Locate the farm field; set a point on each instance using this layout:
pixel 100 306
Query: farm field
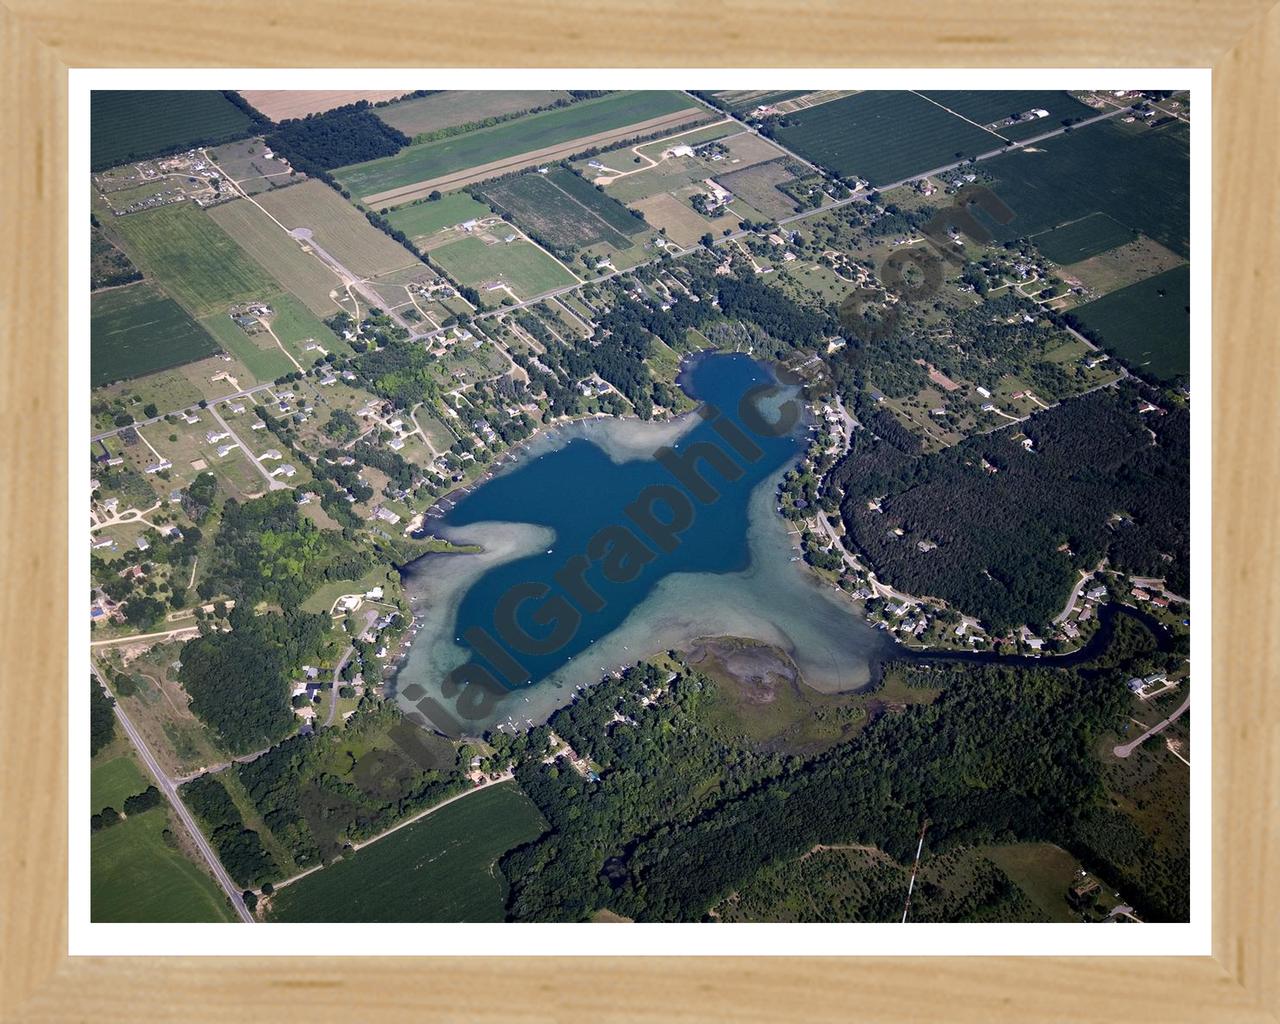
pixel 1146 324
pixel 743 101
pixel 442 868
pixel 565 210
pixel 492 151
pixel 137 876
pixel 422 220
pixel 884 137
pixel 303 274
pixel 989 107
pixel 1137 175
pixel 112 781
pixel 129 124
pixel 1082 238
pixel 284 104
pixel 337 227
pixel 520 265
pixel 684 225
pixel 758 186
pixel 138 330
pixel 424 114
pixel 1123 266
pixel 198 263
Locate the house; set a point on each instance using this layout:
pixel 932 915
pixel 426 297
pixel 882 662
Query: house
pixel 375 594
pixel 984 392
pixel 396 443
pixel 270 453
pixel 103 542
pixel 214 436
pixel 286 471
pixel 142 543
pixel 223 449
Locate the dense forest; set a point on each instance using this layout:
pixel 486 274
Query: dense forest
pixel 239 848
pixel 686 812
pixel 102 717
pixel 345 135
pixel 1011 523
pixel 239 681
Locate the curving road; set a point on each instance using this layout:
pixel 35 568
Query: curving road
pixel 1125 749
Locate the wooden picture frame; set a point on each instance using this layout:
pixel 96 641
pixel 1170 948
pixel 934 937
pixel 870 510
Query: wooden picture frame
pixel 1240 982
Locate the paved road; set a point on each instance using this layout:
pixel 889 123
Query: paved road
pixel 1125 749
pixel 171 794
pixel 272 483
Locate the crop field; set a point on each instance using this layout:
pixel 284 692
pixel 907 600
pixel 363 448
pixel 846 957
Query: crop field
pixel 1120 267
pixel 684 225
pixel 337 227
pixel 758 186
pixel 988 107
pixel 1137 175
pixel 450 109
pixel 442 868
pixel 138 330
pixel 136 876
pixel 422 220
pixel 1082 238
pixel 519 265
pixel 112 782
pixel 743 101
pixel 285 104
pixel 132 124
pixel 198 263
pixel 883 136
pixel 1146 324
pixel 302 273
pixel 492 151
pixel 565 210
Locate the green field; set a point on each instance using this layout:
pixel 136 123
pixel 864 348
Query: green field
pixel 1083 238
pixel 258 352
pixel 421 220
pixel 523 267
pixel 449 109
pixel 1137 175
pixel 264 240
pixel 138 330
pixel 536 131
pixel 1147 324
pixel 565 210
pixel 132 124
pixel 337 227
pixel 137 876
pixel 442 868
pixel 883 136
pixel 987 106
pixel 199 264
pixel 110 782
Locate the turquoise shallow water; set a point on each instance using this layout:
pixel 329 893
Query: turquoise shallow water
pixel 598 553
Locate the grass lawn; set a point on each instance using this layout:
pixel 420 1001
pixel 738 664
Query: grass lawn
pixel 300 272
pixel 258 351
pixel 421 220
pixel 1041 870
pixel 111 782
pixel 136 876
pixel 520 265
pixel 442 868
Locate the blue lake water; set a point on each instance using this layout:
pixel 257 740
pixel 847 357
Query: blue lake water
pixel 599 552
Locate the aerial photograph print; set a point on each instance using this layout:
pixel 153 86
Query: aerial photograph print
pixel 638 505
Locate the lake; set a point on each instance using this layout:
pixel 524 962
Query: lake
pixel 599 550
